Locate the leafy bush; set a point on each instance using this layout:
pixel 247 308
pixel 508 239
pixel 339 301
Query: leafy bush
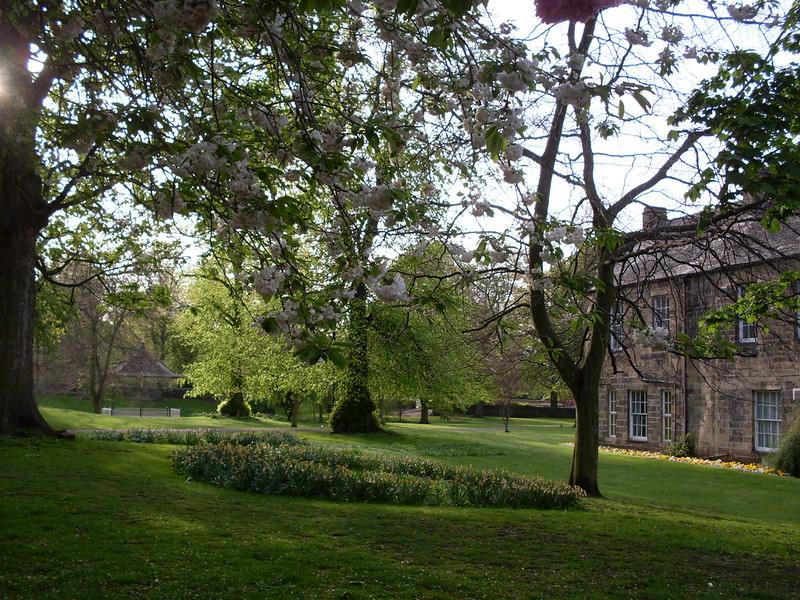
pixel 681 447
pixel 193 437
pixel 349 475
pixel 787 458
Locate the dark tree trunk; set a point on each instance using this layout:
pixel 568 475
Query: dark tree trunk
pixel 94 361
pixel 295 399
pixel 355 411
pixel 423 414
pixel 23 214
pixel 587 427
pixel 19 228
pixel 235 405
pixel 553 400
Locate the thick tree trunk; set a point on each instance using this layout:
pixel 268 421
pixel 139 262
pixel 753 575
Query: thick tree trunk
pixel 585 454
pixel 18 233
pixel 355 411
pixel 23 214
pixel 423 414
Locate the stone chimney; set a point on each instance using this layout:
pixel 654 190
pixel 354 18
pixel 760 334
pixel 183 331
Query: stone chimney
pixel 653 216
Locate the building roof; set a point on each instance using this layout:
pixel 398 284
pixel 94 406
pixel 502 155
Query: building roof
pixel 678 251
pixel 143 364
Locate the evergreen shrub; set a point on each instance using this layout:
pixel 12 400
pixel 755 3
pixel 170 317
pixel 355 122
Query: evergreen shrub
pixel 787 458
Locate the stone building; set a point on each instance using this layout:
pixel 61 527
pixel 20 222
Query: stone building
pixel 651 395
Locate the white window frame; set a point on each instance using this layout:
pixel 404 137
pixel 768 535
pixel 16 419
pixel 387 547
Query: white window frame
pixel 637 422
pixel 615 329
pixel 748 332
pixel 613 407
pixel 661 311
pixel 768 416
pixel 667 415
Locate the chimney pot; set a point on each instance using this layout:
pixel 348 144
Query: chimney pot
pixel 653 216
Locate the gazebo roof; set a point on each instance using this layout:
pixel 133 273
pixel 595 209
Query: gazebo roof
pixel 143 364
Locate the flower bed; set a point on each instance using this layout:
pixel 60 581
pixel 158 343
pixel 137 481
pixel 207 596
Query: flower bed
pixel 351 476
pixel 720 464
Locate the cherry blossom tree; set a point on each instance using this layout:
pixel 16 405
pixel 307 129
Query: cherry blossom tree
pixel 265 123
pixel 340 127
pixel 556 118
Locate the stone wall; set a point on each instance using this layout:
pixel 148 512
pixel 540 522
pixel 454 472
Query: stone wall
pixel 641 365
pixel 713 399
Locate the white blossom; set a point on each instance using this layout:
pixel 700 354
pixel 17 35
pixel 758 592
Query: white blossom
pixel 672 34
pixel 556 234
pixel 514 152
pixel 742 12
pixel 243 181
pixel 513 176
pixel 636 37
pixel 575 236
pixel 268 281
pixel 393 292
pixel 352 273
pixel 577 93
pixel 135 160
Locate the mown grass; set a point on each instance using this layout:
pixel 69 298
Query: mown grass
pixel 95 519
pixel 66 412
pixel 533 447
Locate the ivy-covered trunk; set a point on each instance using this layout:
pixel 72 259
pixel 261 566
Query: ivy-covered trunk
pixel 22 216
pixel 355 411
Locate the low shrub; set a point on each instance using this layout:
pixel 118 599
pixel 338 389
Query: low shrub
pixel 787 459
pixel 192 437
pixel 681 447
pixel 352 476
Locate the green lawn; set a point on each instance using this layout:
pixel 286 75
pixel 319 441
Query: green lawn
pixel 100 519
pixel 66 412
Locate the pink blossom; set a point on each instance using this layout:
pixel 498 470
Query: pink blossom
pixel 555 11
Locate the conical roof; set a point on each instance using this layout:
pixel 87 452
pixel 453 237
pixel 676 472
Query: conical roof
pixel 143 364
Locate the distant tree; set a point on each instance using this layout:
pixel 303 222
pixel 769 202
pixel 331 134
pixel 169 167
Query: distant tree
pixel 418 351
pixel 234 360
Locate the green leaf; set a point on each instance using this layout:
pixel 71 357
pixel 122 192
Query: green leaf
pixel 495 142
pixel 643 102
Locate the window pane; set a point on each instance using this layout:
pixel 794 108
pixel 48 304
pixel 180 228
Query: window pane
pixel 638 411
pixel 768 418
pixel 661 312
pixel 612 413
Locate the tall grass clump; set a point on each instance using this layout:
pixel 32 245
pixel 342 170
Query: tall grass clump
pixel 347 475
